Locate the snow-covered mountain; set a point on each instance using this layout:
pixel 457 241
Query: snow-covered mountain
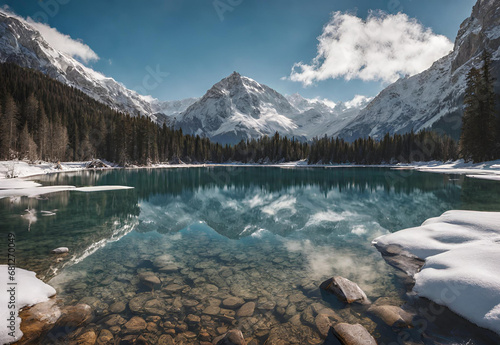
pixel 22 44
pixel 317 117
pixel 239 108
pixel 434 98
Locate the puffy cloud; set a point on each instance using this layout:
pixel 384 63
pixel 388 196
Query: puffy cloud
pixel 63 43
pixel 381 48
pixel 358 101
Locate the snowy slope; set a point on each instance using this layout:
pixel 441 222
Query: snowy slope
pixel 316 117
pixel 461 250
pixel 23 45
pixel 434 98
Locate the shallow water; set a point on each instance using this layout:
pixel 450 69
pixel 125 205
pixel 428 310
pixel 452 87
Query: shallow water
pixel 267 235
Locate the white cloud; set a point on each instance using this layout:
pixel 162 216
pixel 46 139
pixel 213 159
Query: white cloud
pixel 359 101
pixel 63 43
pixel 381 48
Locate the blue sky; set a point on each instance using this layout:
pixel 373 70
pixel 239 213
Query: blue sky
pixel 198 43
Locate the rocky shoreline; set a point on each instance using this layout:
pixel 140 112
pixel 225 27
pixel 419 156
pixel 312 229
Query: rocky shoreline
pixel 168 312
pixel 313 325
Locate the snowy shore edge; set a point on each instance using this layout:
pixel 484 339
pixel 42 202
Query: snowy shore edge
pixel 461 250
pixel 486 170
pixel 20 289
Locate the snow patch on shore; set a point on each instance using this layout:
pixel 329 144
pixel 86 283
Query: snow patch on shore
pixel 24 169
pixel 461 250
pixel 485 170
pixel 29 291
pixel 32 192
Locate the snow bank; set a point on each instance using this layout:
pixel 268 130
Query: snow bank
pixel 486 170
pixel 100 188
pixel 32 192
pixel 486 177
pixel 28 291
pixel 461 250
pixel 24 169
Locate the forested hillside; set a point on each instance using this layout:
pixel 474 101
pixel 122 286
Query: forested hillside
pixel 42 118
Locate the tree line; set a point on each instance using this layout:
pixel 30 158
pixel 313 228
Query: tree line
pixel 480 137
pixel 43 119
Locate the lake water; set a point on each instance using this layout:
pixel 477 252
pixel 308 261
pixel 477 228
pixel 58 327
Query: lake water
pixel 265 235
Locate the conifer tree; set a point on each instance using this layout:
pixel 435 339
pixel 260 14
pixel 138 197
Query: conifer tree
pixel 9 128
pixel 27 146
pixel 477 140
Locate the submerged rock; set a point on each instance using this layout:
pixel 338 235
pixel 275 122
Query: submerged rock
pixel 165 339
pixel 135 325
pixel 38 319
pixel 105 338
pixel 323 322
pixel 87 338
pixel 233 337
pixel 246 310
pixel 233 302
pixel 289 333
pixel 114 320
pixel 118 307
pixel 345 290
pixel 393 316
pixel 155 307
pixel 211 310
pixel 75 316
pixel 149 279
pixel 193 319
pixel 137 303
pixel 60 250
pixel 353 334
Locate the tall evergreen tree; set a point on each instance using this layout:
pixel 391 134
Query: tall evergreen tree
pixel 477 140
pixel 488 117
pixel 9 128
pixel 27 146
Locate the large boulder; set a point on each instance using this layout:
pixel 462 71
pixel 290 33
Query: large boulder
pixel 356 334
pixel 345 290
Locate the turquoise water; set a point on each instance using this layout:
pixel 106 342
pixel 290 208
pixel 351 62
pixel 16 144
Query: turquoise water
pixel 265 235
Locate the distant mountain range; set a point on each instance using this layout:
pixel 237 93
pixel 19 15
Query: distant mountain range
pixel 239 108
